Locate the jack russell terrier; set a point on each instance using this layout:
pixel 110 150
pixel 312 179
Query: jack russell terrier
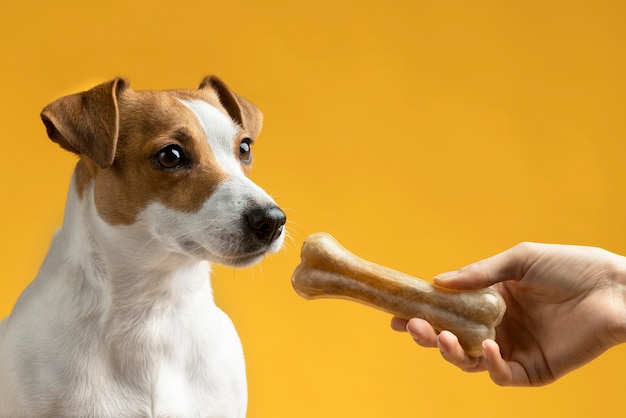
pixel 120 320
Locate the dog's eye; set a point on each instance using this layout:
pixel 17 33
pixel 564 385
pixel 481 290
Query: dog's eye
pixel 171 156
pixel 245 151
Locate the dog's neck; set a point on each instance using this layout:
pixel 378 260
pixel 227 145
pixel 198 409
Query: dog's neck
pixel 138 297
pixel 124 262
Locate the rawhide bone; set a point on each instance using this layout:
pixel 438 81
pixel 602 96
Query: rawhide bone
pixel 328 270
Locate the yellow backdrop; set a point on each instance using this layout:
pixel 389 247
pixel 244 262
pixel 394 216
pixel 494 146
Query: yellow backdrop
pixel 424 135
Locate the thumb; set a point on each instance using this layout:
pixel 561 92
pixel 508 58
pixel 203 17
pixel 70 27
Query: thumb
pixel 511 264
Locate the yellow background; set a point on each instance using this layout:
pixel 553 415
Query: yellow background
pixel 423 134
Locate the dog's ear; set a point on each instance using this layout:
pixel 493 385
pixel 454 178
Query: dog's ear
pixel 240 109
pixel 87 123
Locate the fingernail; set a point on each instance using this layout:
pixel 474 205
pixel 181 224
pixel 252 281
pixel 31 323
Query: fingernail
pixel 412 334
pixel 484 345
pixel 448 275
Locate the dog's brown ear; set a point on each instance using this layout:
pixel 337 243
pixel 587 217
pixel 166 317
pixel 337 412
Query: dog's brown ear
pixel 240 109
pixel 87 123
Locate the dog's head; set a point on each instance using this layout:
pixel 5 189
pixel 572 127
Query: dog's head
pixel 173 161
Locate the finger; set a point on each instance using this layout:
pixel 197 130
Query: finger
pixel 511 264
pixel 452 351
pixel 422 332
pixel 399 324
pixel 450 348
pixel 502 373
pixel 499 370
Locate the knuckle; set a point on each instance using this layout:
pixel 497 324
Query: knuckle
pixel 525 247
pixel 499 379
pixel 498 382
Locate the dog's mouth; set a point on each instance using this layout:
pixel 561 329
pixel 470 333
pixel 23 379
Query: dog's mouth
pixel 233 258
pixel 258 232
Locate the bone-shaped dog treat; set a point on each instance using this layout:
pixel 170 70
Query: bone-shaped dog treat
pixel 328 270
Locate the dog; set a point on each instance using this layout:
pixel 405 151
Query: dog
pixel 120 320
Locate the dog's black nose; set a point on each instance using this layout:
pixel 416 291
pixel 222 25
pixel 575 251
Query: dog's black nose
pixel 266 223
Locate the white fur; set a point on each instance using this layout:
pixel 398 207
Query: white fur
pixel 104 330
pixel 220 132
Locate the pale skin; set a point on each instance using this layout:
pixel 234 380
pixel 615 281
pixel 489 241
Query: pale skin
pixel 566 305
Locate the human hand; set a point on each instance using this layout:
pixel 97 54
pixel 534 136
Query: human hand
pixel 565 306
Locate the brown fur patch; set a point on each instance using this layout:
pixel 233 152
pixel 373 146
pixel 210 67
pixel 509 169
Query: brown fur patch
pixel 149 121
pixel 84 173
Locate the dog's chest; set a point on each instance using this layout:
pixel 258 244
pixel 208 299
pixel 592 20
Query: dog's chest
pixel 163 369
pixel 192 370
